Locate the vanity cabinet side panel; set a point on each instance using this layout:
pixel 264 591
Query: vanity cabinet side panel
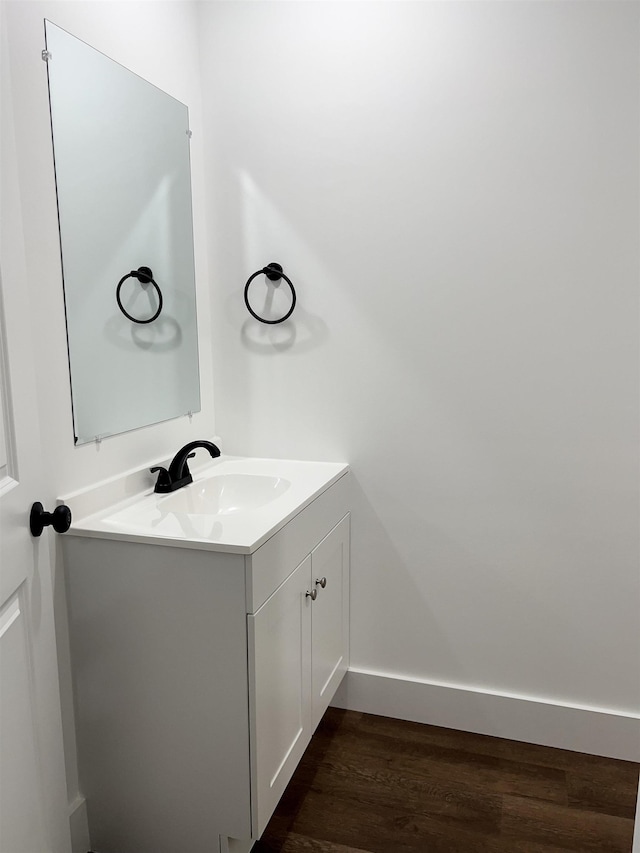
pixel 274 561
pixel 159 657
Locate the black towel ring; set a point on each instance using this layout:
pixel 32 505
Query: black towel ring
pixel 273 272
pixel 144 276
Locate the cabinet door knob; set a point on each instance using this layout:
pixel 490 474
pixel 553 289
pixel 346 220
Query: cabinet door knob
pixel 321 582
pixel 313 594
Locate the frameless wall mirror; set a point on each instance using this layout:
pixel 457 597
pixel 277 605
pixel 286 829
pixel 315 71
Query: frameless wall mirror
pixel 121 152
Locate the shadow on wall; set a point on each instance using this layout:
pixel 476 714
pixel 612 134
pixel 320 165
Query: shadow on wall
pixel 393 600
pixel 307 331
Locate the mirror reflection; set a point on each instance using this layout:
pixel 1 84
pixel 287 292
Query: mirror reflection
pixel 121 152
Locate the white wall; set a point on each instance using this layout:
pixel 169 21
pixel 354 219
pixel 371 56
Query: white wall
pixel 453 188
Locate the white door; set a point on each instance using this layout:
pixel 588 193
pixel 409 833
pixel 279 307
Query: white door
pixel 33 799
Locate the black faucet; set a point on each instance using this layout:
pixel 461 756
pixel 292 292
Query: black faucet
pixel 178 474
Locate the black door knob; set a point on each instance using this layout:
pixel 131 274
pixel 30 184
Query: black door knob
pixel 59 519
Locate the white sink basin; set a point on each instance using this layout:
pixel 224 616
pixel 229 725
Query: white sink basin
pixel 234 504
pixel 225 494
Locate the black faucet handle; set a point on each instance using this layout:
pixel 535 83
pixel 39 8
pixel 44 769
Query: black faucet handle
pixel 185 468
pixel 163 476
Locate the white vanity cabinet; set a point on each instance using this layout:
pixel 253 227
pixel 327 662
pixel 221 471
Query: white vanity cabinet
pixel 200 676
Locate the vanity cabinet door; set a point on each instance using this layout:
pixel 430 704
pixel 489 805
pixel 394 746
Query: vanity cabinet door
pixel 330 617
pixel 279 635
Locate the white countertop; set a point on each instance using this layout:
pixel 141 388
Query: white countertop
pixel 269 492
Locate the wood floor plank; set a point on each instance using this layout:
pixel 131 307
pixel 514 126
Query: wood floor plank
pixel 296 843
pixel 602 793
pixel 364 783
pixel 373 785
pixel 383 829
pixel 565 827
pixel 495 775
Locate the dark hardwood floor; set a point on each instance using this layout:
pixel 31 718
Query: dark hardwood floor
pixel 375 785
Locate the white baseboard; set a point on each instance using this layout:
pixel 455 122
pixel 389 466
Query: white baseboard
pixel 597 731
pixel 79 824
